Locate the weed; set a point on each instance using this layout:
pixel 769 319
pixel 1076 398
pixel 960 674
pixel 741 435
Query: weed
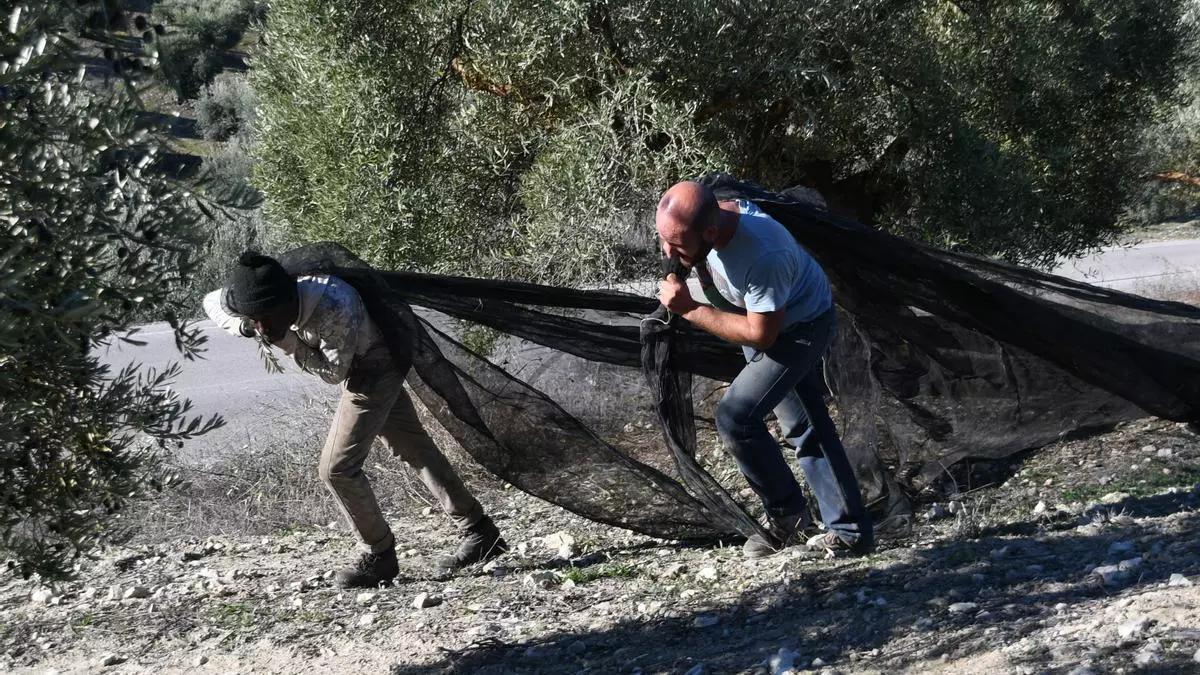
pixel 1141 484
pixel 233 615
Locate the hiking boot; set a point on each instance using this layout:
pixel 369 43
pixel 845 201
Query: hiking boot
pixel 370 570
pixel 782 532
pixel 481 542
pixel 834 544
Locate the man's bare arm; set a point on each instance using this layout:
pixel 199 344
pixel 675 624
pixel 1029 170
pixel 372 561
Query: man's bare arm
pixel 753 329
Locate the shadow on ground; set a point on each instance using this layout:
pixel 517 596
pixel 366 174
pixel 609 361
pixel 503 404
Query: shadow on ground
pixel 1027 569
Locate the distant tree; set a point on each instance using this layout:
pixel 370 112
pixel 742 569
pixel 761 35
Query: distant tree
pixel 197 35
pixel 1172 150
pixel 226 108
pixel 94 237
pixel 531 137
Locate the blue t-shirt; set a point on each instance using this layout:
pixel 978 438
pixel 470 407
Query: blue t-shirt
pixel 763 268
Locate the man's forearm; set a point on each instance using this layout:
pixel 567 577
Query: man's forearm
pixel 725 325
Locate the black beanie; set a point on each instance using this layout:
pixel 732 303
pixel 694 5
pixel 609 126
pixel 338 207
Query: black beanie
pixel 257 284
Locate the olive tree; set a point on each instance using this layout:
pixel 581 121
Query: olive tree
pixel 95 236
pixel 531 138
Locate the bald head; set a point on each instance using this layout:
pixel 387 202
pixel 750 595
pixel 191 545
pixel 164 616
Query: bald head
pixel 686 221
pixel 689 204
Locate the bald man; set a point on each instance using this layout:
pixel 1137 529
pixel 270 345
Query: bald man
pixel 770 296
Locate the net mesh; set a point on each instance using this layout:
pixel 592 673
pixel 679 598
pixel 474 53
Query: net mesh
pixel 940 357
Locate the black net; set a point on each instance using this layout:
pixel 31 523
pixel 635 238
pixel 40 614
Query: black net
pixel 939 357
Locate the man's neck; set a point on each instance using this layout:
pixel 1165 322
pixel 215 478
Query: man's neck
pixel 727 224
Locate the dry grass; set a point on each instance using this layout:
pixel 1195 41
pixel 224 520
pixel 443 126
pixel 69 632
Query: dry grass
pixel 273 486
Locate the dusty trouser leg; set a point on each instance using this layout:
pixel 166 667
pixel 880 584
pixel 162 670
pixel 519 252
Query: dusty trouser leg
pixel 407 438
pixel 361 413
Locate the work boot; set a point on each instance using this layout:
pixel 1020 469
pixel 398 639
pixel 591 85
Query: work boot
pixel 782 531
pixel 835 545
pixel 370 570
pixel 481 542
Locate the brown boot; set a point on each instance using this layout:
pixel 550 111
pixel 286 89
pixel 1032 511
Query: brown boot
pixel 481 542
pixel 370 570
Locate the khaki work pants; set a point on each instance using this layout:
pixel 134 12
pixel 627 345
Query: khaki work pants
pixel 376 404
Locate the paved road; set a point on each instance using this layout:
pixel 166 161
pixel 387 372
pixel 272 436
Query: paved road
pixel 233 383
pixel 1154 269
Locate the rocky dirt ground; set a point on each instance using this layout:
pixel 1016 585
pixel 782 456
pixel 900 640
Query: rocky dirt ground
pixel 1079 558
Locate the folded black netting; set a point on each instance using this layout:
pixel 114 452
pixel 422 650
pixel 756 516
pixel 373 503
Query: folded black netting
pixel 510 428
pixel 939 357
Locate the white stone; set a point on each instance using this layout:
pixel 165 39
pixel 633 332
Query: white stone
pixel 364 598
pixel 1039 509
pixel 116 592
pixel 1164 452
pixel 542 579
pixel 708 574
pixel 1179 580
pixel 1133 629
pixel 43 596
pixel 558 540
pixel 136 593
pixel 956 507
pixel 1114 497
pixel 706 621
pixel 674 570
pixel 109 659
pixel 963 607
pixel 366 620
pixel 783 661
pixel 1147 657
pixel 199 661
pixel 1111 574
pixel 818 662
pixel 1149 449
pixel 649 608
pixel 426 600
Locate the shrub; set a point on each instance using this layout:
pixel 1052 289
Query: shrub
pixel 226 108
pixel 533 138
pixel 94 239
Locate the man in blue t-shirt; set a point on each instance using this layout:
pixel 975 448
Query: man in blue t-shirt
pixel 772 298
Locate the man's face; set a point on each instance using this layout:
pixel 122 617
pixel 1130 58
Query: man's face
pixel 678 239
pixel 274 324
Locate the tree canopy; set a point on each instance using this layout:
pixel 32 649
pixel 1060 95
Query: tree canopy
pixel 529 138
pixel 97 237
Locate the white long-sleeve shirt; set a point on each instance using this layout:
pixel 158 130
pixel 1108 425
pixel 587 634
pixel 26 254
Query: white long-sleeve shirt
pixel 331 331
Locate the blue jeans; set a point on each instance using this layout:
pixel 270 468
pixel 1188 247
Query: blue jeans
pixel 787 379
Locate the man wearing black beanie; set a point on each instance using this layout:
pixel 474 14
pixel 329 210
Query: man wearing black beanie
pixel 322 323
